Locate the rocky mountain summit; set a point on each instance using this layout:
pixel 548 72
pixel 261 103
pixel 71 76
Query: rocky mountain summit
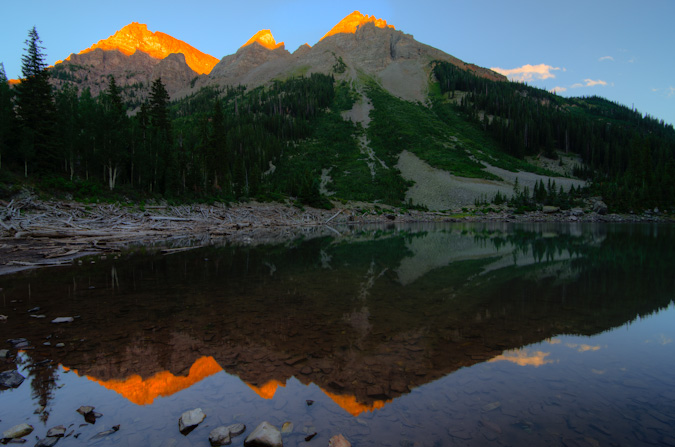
pixel 136 37
pixel 357 44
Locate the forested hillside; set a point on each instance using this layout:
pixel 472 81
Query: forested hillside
pixel 288 139
pixel 629 157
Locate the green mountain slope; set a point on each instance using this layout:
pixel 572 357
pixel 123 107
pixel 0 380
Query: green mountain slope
pixel 298 139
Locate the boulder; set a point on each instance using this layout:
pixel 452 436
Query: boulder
pixel 223 435
pixel 264 435
pixel 190 420
pixel 18 431
pixel 220 436
pixel 600 207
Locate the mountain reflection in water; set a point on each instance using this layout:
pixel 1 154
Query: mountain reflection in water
pixel 367 317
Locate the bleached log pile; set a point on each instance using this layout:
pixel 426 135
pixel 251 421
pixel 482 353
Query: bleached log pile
pixel 35 232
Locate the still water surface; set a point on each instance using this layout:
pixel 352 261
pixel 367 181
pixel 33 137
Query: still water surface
pixel 425 335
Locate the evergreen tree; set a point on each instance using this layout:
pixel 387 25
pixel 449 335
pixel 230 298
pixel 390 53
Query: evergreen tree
pixel 160 137
pixel 216 155
pixel 35 107
pixel 69 126
pixel 7 118
pixel 115 144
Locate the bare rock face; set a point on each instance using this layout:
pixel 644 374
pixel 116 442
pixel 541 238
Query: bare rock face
pixel 253 64
pixel 359 43
pixel 133 74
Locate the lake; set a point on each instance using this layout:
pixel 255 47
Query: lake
pixel 397 335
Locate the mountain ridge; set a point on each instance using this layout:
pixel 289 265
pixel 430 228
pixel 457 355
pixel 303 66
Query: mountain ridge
pixel 137 36
pixel 356 44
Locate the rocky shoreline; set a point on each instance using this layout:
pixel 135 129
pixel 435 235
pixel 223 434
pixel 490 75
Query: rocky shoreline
pixel 36 233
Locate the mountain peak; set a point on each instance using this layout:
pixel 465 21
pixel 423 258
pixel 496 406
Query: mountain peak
pixel 265 38
pixel 352 22
pixel 136 36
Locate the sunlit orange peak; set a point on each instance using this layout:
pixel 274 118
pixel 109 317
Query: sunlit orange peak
pixel 265 38
pixel 136 36
pixel 351 23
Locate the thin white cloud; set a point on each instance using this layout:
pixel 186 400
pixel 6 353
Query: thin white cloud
pixel 589 83
pixel 670 91
pixel 606 58
pixel 592 83
pixel 558 89
pixel 528 72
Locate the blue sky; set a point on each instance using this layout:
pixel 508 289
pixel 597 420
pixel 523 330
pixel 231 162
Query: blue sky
pixel 618 49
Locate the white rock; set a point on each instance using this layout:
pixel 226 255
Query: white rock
pixel 190 419
pixel 220 436
pixel 264 435
pixel 63 320
pixel 18 431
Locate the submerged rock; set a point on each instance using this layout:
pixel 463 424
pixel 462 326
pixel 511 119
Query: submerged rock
pixel 11 379
pixel 63 320
pixel 49 441
pixel 58 431
pixel 264 435
pixel 18 431
pixel 339 441
pixel 105 433
pixel 287 428
pixel 190 420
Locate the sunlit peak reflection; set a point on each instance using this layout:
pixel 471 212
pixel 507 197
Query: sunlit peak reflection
pixel 352 406
pixel 144 391
pixel 523 357
pixel 268 390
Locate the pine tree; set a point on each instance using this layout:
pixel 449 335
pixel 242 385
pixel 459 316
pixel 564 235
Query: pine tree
pixel 35 107
pixel 7 118
pixel 160 136
pixel 115 149
pixel 68 128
